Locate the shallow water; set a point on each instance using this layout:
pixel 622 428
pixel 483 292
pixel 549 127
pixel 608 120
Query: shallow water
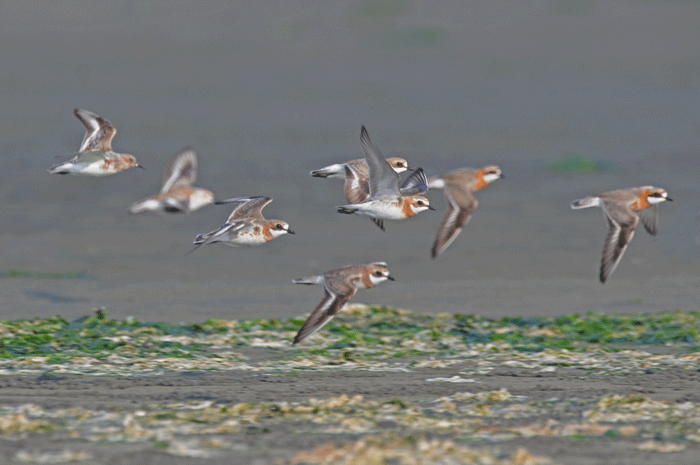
pixel 265 94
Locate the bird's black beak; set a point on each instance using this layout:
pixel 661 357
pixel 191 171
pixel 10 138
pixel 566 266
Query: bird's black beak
pixel 430 207
pixel 669 199
pixel 409 169
pixel 289 231
pixel 390 278
pixel 142 167
pixel 503 176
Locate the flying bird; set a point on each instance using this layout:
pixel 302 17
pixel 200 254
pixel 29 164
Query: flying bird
pixel 340 285
pixel 95 157
pixel 177 194
pixel 624 209
pixel 459 186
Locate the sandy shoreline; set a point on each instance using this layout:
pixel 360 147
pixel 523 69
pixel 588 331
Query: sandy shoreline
pixel 532 391
pixel 569 393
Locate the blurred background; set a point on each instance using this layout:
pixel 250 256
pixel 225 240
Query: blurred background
pixel 569 97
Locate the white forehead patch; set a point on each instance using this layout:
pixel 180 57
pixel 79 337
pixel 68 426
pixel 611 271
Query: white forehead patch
pixel 399 166
pixel 491 177
pixel 278 232
pixel 653 200
pixel 374 279
pixel 420 208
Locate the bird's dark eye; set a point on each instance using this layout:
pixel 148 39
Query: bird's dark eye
pixel 378 273
pixel 420 202
pixel 279 226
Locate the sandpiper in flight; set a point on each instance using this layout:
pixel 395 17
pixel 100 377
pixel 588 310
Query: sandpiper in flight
pixel 177 195
pixel 95 157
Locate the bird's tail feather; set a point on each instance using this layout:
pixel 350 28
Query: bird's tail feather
pixel 586 202
pixel 308 280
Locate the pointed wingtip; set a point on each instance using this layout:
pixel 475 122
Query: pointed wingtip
pixel 196 244
pixel 379 223
pixel 298 338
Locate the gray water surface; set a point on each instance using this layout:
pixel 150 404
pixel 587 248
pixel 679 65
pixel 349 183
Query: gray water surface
pixel 267 91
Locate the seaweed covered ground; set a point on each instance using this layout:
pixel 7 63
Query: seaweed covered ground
pixel 376 385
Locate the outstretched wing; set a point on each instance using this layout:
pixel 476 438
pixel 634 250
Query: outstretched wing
pixel 98 131
pixel 650 219
pixel 182 170
pixel 460 206
pixel 356 183
pixel 338 293
pixel 216 236
pixel 383 180
pixel 248 208
pixel 379 222
pixel 415 184
pixel 621 225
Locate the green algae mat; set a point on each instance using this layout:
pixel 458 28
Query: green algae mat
pixel 376 385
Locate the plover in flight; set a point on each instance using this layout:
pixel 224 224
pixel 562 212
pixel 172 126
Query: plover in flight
pixel 388 201
pixel 340 285
pixel 459 186
pixel 245 226
pixel 356 176
pixel 624 209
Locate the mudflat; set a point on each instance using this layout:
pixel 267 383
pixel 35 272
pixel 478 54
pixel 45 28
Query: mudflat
pixel 589 388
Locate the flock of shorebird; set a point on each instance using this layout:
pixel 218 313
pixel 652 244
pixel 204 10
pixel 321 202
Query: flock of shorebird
pixel 372 188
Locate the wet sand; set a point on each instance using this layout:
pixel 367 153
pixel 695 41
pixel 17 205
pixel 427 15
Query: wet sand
pixel 277 443
pixel 374 385
pixel 266 96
